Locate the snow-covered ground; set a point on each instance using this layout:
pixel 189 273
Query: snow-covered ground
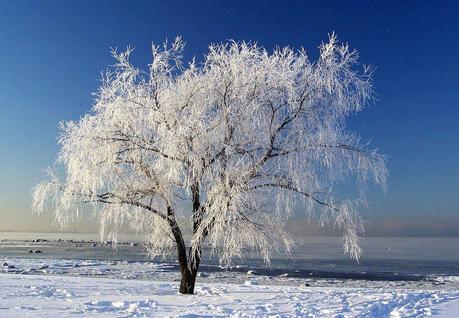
pixel 102 288
pixel 62 296
pixel 41 285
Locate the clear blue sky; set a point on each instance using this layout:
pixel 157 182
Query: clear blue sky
pixel 52 53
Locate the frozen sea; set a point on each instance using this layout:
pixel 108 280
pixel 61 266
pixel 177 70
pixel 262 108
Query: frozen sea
pixel 322 257
pixel 68 275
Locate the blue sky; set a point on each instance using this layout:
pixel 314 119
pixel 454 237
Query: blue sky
pixel 52 53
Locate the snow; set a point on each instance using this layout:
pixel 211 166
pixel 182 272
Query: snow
pixel 63 296
pixel 447 310
pixel 107 288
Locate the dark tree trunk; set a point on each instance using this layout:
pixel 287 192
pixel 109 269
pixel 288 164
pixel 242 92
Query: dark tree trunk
pixel 189 270
pixel 188 276
pixel 188 266
pixel 188 281
pixel 188 273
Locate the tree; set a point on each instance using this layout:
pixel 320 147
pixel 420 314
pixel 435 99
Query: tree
pixel 235 144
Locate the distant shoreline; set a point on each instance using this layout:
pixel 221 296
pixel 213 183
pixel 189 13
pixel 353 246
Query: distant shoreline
pixel 54 234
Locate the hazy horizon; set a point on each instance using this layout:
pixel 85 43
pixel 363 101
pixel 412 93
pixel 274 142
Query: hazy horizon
pixel 375 227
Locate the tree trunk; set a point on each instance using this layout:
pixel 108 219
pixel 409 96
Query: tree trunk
pixel 189 273
pixel 188 281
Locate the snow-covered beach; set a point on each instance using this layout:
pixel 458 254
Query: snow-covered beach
pixel 119 285
pixel 62 296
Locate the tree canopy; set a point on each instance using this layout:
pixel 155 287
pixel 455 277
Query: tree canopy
pixel 236 144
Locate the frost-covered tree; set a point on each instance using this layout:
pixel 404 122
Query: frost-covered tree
pixel 234 144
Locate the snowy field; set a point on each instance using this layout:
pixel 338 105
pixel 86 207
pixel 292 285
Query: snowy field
pixel 60 296
pixel 73 288
pixel 121 283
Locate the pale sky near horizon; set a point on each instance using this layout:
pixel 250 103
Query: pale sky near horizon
pixel 53 53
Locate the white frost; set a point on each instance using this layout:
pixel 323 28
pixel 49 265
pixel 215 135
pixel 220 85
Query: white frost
pixel 234 144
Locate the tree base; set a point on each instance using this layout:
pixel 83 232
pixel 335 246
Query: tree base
pixel 187 284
